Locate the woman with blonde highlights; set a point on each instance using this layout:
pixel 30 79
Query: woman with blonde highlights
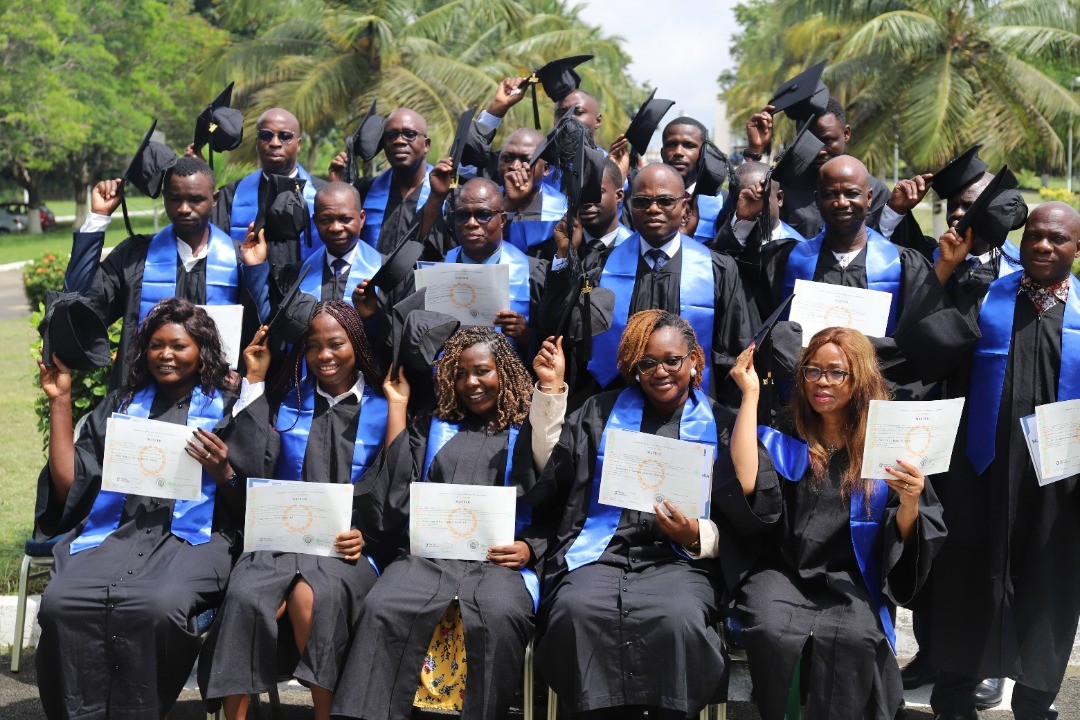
pixel 837 551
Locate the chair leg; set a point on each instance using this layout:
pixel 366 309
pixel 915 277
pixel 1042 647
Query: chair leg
pixel 721 711
pixel 553 705
pixel 214 715
pixel 527 689
pixel 20 614
pixel 275 701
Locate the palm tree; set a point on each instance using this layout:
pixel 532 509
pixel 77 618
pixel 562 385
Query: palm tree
pixel 936 75
pixel 327 60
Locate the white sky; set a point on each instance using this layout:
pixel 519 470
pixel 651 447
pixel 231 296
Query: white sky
pixel 677 46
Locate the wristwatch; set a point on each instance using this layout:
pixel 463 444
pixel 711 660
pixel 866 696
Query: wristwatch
pixel 233 481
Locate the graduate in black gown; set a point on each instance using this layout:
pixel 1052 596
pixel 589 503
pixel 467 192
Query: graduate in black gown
pixel 926 335
pixel 473 436
pixel 629 614
pixel 832 563
pixel 656 268
pixel 118 618
pixel 598 230
pixel 1004 589
pixel 330 428
pixel 190 258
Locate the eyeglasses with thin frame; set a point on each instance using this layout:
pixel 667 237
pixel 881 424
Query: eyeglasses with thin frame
pixel 648 365
pixel 462 216
pixel 834 376
pixel 285 136
pixel 644 202
pixel 390 136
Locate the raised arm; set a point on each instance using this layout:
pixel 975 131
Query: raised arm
pixel 744 449
pixel 397 393
pixel 56 382
pixel 548 410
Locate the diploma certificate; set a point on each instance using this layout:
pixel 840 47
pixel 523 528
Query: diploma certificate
pixel 1058 427
pixel 819 305
pixel 460 522
pixel 229 320
pixel 296 516
pixel 642 469
pixel 472 294
pixel 919 432
pixel 148 458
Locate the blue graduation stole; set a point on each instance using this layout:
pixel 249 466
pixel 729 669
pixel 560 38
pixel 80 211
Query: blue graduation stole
pixel 439 434
pixel 525 234
pixel 791 458
pixel 991 356
pixel 294 426
pixel 366 262
pixel 883 271
pixel 789 232
pixel 708 209
pixel 519 275
pixel 159 270
pixel 191 519
pixel 622 233
pixel 1006 266
pixel 697 424
pixel 696 302
pixel 245 207
pixel 375 204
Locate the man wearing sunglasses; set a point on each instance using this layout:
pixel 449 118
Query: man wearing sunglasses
pixel 658 268
pixel 393 198
pixel 277 142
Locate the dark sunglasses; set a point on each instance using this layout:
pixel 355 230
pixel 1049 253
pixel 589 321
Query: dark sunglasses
pixel 391 135
pixel 462 217
pixel 647 366
pixel 285 136
pixel 644 202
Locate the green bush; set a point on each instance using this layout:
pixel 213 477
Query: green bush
pixel 1060 195
pixel 87 387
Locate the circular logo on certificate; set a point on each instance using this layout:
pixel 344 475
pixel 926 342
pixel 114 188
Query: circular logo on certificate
pixel 151 459
pixel 297 518
pixel 658 498
pixel 474 313
pixel 837 316
pixel 462 522
pixel 917 440
pixel 651 474
pixel 473 545
pixel 462 295
pixel 308 539
pixel 160 481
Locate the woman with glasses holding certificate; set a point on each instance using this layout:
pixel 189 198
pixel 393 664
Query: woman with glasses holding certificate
pixel 449 635
pixel 628 623
pixel 836 552
pixel 292 613
pixel 118 619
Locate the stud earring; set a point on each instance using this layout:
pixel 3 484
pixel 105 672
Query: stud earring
pixel 693 372
pixel 638 378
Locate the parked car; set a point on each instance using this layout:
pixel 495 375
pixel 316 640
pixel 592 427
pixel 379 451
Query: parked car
pixel 48 220
pixel 10 222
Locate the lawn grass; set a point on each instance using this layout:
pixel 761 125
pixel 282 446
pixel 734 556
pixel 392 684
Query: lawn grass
pixel 14 248
pixel 21 455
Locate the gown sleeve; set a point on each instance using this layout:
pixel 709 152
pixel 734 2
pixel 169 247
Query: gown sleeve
pixel 748 514
pixel 733 325
pixel 905 566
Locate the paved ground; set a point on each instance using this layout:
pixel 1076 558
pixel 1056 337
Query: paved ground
pixel 12 299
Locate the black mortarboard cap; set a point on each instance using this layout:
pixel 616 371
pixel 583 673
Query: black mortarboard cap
pixel 294 313
pixel 147 169
pixel 986 214
pixel 712 170
pixel 73 332
pixel 461 138
pixel 365 143
pixel 418 336
pixel 803 95
pixel 559 77
pixel 219 125
pixel 400 263
pixel 284 212
pixel 770 323
pixel 645 122
pixel 958 173
pixel 797 159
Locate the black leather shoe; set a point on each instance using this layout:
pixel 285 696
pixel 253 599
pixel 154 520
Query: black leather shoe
pixel 918 672
pixel 988 693
pixel 957 716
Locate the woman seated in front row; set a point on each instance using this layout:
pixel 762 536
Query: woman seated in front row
pixel 449 636
pixel 837 550
pixel 330 428
pixel 118 618
pixel 630 622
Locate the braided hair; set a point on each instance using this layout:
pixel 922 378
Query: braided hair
pixel 515 383
pixel 640 327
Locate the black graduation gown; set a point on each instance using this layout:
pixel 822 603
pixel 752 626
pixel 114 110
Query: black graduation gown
pixel 114 289
pixel 734 320
pixel 399 213
pixel 400 614
pixel 930 336
pixel 800 209
pixel 118 622
pixel 1006 586
pixel 908 234
pixel 248 648
pixel 636 627
pixel 806 594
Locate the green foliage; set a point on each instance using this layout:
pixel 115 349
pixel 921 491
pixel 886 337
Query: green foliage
pixel 87 387
pixel 1060 195
pixel 1029 179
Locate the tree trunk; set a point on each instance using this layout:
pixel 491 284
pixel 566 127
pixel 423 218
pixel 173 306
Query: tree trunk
pixel 30 180
pixel 79 171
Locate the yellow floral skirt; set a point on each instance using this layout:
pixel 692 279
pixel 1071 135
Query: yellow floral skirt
pixel 442 677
